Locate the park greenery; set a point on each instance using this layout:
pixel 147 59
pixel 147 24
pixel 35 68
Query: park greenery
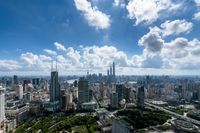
pixel 143 118
pixel 178 110
pixel 58 123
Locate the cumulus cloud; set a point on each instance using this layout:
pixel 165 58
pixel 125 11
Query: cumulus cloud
pixel 177 54
pixel 148 11
pixel 50 52
pixel 197 2
pixel 9 65
pixel 59 46
pixel 176 27
pixel 119 3
pixel 197 16
pixel 101 57
pixel 152 41
pixel 94 17
pixel 33 62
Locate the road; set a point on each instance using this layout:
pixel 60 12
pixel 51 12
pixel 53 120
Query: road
pixel 174 114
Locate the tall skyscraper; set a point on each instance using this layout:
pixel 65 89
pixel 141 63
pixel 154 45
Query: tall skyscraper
pixel 114 100
pixel 108 73
pixel 140 97
pixel 120 91
pixel 83 90
pixel 54 87
pixel 114 69
pixel 15 80
pixel 2 106
pixel 19 91
pixel 111 71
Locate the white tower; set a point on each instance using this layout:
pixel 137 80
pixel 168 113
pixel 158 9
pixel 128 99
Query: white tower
pixel 2 106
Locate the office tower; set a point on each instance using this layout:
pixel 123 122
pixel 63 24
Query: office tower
pixel 114 69
pixel 108 73
pixel 114 100
pixel 83 90
pixel 54 87
pixel 101 91
pixel 111 71
pixel 75 83
pixel 2 106
pixel 140 97
pixel 19 91
pixel 127 94
pixel 15 80
pixel 36 82
pixel 120 91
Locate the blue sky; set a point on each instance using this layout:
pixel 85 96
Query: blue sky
pixel 142 37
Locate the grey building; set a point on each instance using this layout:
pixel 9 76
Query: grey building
pixel 54 87
pixel 83 90
pixel 140 97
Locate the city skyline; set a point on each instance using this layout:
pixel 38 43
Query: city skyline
pixel 142 38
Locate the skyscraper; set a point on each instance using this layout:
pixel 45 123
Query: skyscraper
pixel 19 91
pixel 54 87
pixel 15 80
pixel 2 106
pixel 140 97
pixel 113 69
pixel 114 100
pixel 83 90
pixel 120 91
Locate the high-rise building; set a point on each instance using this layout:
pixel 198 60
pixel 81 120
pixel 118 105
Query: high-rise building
pixel 111 71
pixel 19 91
pixel 36 82
pixel 108 73
pixel 114 100
pixel 2 107
pixel 140 97
pixel 114 69
pixel 120 91
pixel 15 80
pixel 83 90
pixel 54 87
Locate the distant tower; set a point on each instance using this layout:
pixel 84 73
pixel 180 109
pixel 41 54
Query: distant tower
pixel 19 91
pixel 114 69
pixel 111 71
pixel 2 106
pixel 83 90
pixel 108 73
pixel 140 97
pixel 15 80
pixel 114 100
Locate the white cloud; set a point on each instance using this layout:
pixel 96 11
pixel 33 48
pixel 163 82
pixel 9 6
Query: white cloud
pixel 33 62
pixel 94 17
pixel 119 3
pixel 148 11
pixel 59 46
pixel 197 16
pixel 197 2
pixel 176 27
pixel 158 55
pixel 152 41
pixel 50 52
pixel 9 65
pixel 102 57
